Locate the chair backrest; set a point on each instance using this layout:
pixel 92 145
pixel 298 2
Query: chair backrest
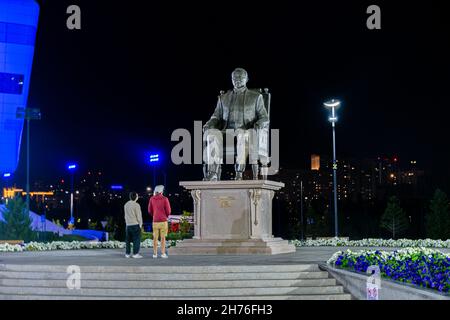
pixel 266 96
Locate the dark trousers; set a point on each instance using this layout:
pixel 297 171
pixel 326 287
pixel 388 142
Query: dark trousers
pixel 133 234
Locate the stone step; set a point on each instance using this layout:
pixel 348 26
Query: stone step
pixel 165 269
pixel 207 250
pixel 237 282
pixel 167 276
pixel 342 296
pixel 137 292
pixel 233 243
pixel 187 284
pixel 232 247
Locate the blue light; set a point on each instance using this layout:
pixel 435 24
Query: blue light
pixel 72 166
pixel 117 187
pixel 154 158
pixel 7 175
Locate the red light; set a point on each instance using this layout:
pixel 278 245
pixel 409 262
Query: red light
pixel 62 181
pixel 395 159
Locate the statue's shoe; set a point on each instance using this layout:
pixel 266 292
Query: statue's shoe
pixel 212 177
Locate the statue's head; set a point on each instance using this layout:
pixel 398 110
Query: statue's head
pixel 239 77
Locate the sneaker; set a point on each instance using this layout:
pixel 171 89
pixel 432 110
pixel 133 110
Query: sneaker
pixel 164 255
pixel 155 256
pixel 137 256
pixel 127 256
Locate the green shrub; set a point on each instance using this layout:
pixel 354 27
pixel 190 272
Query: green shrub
pixel 92 225
pixel 185 225
pixel 178 235
pixel 146 235
pixel 170 235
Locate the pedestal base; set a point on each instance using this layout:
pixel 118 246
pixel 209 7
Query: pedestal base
pixel 232 247
pixel 232 217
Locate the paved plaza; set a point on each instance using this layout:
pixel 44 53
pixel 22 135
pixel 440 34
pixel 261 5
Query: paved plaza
pixel 115 257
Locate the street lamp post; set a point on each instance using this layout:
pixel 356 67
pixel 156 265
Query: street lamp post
pixel 28 114
pixel 71 167
pixel 6 177
pixel 165 179
pixel 301 210
pixel 333 104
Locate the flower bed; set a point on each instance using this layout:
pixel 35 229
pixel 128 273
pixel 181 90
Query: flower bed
pixel 422 267
pixel 73 245
pixel 400 243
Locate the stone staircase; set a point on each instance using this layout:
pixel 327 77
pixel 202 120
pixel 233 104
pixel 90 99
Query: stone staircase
pixel 258 282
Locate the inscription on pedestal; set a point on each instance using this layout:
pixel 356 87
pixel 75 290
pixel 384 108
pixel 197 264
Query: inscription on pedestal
pixel 225 202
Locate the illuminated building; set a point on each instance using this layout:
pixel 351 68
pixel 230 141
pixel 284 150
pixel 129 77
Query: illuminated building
pixel 18 23
pixel 315 162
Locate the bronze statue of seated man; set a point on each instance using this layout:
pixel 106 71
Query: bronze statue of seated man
pixel 240 113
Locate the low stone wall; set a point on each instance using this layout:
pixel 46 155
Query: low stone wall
pixel 355 284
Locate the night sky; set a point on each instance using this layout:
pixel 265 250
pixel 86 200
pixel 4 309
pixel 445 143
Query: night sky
pixel 118 87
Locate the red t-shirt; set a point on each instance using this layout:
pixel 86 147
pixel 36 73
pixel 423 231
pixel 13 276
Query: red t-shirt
pixel 159 208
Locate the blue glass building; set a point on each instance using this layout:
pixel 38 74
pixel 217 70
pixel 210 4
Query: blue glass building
pixel 18 25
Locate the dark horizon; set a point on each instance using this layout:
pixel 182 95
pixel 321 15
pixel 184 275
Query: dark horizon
pixel 117 88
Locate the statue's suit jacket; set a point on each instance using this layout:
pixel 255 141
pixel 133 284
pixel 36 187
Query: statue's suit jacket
pixel 255 114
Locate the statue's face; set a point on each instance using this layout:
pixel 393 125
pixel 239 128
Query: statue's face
pixel 239 79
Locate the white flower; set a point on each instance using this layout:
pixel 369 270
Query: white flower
pixel 400 243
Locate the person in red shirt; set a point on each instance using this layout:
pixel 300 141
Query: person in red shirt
pixel 159 209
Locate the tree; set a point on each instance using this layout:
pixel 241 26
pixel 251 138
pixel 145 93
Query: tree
pixel 394 218
pixel 438 216
pixel 17 224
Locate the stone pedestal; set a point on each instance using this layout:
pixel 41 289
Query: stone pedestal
pixel 232 217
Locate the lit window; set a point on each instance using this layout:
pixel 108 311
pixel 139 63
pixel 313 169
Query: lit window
pixel 11 83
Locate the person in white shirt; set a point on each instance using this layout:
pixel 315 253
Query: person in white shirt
pixel 133 221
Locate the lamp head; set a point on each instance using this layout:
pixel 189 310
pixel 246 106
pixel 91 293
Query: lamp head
pixel 333 103
pixel 154 158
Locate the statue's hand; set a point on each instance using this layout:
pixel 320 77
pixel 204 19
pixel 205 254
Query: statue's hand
pixel 263 125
